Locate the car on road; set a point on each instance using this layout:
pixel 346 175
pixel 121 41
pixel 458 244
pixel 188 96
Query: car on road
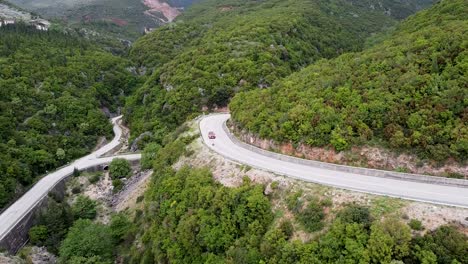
pixel 211 135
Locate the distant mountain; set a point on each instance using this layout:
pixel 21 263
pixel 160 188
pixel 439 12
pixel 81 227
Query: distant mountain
pixel 10 14
pixel 120 18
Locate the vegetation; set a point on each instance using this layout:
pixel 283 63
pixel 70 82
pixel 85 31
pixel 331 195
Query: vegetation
pixel 50 100
pixel 407 93
pixel 120 168
pixel 84 208
pixel 190 218
pixel 218 48
pixel 87 240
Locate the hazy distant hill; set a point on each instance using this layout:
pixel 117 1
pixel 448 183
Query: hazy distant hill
pixel 121 18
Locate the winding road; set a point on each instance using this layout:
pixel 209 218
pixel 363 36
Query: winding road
pixel 410 190
pixel 13 215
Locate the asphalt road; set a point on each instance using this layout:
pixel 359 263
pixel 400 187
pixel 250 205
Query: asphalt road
pixel 431 193
pixel 11 216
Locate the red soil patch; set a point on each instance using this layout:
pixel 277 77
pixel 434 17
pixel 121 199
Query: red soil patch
pixel 119 22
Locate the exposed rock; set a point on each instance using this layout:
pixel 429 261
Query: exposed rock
pixel 134 146
pixel 360 156
pixel 40 255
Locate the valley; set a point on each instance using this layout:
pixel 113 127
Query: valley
pixel 273 131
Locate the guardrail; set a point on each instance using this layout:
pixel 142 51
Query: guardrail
pixel 350 169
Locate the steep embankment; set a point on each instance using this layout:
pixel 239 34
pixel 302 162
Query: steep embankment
pixel 407 93
pixel 218 48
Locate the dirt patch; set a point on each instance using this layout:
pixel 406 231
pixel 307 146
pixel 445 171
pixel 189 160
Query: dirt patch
pixel 156 6
pixel 119 22
pixel 365 156
pixel 134 188
pixel 225 8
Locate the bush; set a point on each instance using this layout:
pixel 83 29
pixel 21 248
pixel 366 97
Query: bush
pixel 121 227
pixel 95 178
pixel 311 216
pixel 140 199
pixel 87 239
pixel 38 234
pixel 356 214
pixel 76 190
pixel 294 202
pixel 118 185
pixel 120 168
pixel 287 228
pixel 76 172
pixel 415 224
pixel 84 208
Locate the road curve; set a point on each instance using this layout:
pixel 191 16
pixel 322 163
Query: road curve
pixel 416 191
pixel 11 216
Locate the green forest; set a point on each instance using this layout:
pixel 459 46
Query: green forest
pixel 407 93
pixel 219 48
pixel 190 218
pixel 53 87
pixel 326 73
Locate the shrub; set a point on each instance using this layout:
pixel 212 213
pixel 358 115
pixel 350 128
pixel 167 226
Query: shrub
pixel 76 172
pixel 294 201
pixel 89 240
pixel 356 214
pixel 120 168
pixel 311 216
pixel 121 227
pixel 118 185
pixel 38 234
pixel 84 208
pixel 415 224
pixel 76 189
pixel 94 178
pixel 287 228
pixel 140 199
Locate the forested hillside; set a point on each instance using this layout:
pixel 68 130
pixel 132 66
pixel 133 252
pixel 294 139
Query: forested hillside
pixel 52 89
pixel 191 218
pixel 407 93
pixel 218 48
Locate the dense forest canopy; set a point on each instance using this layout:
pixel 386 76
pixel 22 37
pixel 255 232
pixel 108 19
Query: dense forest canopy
pixel 52 88
pixel 218 48
pixel 191 218
pixel 407 93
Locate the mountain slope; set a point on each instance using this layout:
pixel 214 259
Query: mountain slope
pixel 218 48
pixel 119 18
pixel 52 89
pixel 407 93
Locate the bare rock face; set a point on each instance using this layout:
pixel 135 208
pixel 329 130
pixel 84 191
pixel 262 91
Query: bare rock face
pixel 134 146
pixel 40 255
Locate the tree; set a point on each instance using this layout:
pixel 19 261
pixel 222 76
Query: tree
pixel 89 240
pixel 120 168
pixel 356 214
pixel 389 240
pixel 38 234
pixel 84 208
pixel 121 227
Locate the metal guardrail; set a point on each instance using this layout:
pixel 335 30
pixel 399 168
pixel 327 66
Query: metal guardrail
pixel 350 169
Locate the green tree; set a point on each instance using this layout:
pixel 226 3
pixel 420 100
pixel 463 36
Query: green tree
pixel 84 207
pixel 88 240
pixel 120 168
pixel 38 234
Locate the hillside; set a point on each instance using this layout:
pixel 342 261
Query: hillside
pixel 408 93
pixel 125 19
pixel 218 48
pixel 50 100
